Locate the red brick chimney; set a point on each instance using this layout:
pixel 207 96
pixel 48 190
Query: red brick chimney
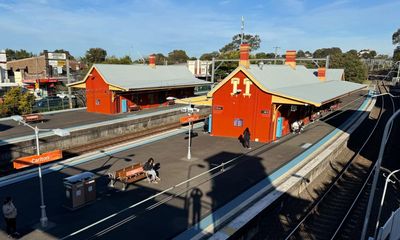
pixel 244 55
pixel 152 61
pixel 322 74
pixel 291 58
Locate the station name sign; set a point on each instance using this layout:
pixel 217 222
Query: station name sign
pixel 28 161
pixel 190 118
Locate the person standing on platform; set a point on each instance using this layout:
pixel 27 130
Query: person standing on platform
pixel 246 138
pixel 10 216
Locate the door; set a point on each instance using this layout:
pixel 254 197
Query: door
pixel 124 106
pixel 279 127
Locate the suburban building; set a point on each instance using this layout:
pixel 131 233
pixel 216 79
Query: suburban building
pixel 199 68
pixel 268 98
pixel 112 88
pixel 42 73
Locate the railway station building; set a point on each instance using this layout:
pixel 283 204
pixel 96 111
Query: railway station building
pixel 269 98
pixel 114 88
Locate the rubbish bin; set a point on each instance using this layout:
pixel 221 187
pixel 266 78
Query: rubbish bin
pixel 80 190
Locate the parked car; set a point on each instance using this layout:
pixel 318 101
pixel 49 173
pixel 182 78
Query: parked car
pixel 64 95
pixel 51 103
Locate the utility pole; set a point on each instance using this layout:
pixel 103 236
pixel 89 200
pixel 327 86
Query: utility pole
pixel 213 70
pixel 68 82
pixel 276 53
pixel 242 31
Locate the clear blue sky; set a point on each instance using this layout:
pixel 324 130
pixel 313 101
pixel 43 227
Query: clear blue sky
pixel 146 26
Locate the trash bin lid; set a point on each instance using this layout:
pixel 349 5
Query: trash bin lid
pixel 79 177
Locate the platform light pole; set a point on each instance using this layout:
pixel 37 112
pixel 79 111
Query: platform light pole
pixel 377 168
pixel 382 200
pixel 58 132
pixel 189 110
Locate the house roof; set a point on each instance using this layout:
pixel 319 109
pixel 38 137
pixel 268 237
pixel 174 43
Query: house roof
pixel 142 77
pixel 299 84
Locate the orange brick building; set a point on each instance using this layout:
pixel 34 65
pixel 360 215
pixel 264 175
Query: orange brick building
pixel 268 98
pixel 112 88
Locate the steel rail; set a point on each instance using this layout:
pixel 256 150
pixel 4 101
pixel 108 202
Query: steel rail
pixel 334 183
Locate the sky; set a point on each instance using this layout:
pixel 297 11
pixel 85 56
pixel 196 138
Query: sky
pixel 141 27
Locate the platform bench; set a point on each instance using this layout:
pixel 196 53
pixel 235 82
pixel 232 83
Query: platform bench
pixel 127 175
pixel 34 117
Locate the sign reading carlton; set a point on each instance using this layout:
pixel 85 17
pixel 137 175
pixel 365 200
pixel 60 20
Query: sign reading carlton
pixel 28 161
pixel 190 118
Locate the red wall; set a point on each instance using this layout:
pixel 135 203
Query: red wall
pixel 98 96
pixel 254 110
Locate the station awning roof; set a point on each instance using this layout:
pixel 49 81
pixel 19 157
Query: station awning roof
pixel 142 77
pixel 294 86
pixel 199 100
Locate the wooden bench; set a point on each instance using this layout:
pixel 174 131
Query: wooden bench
pixel 34 117
pixel 127 175
pixel 134 107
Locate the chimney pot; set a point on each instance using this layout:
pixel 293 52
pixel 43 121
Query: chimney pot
pixel 152 61
pixel 291 58
pixel 244 55
pixel 322 74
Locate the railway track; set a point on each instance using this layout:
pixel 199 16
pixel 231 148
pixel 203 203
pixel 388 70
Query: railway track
pixel 339 211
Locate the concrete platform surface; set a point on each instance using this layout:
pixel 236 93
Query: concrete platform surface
pixel 175 210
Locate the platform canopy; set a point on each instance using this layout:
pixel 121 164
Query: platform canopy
pixel 142 77
pixel 198 100
pixel 297 85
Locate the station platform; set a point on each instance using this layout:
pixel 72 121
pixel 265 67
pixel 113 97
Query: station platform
pixel 173 205
pixel 11 132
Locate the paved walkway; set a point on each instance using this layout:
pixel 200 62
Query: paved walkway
pixel 172 212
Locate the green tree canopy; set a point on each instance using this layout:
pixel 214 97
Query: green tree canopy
pixel 115 60
pixel 95 55
pixel 396 54
pixel 300 54
pixel 396 37
pixel 354 69
pixel 253 40
pixel 161 59
pixel 263 55
pixel 209 56
pixel 177 56
pixel 16 101
pixel 17 54
pixel 323 52
pixel 370 54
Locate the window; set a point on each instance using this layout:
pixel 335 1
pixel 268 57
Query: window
pixel 238 122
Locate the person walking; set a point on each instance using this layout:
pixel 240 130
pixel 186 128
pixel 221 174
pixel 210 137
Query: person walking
pixel 10 216
pixel 150 172
pixel 246 138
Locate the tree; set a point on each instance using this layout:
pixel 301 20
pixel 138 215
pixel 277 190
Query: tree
pixel 263 55
pixel 396 37
pixel 17 54
pixel 253 40
pixel 354 69
pixel 396 54
pixel 161 59
pixel 353 52
pixel 177 56
pixel 65 51
pixel 323 52
pixel 16 101
pixel 209 56
pixel 115 60
pixel 95 55
pixel 300 54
